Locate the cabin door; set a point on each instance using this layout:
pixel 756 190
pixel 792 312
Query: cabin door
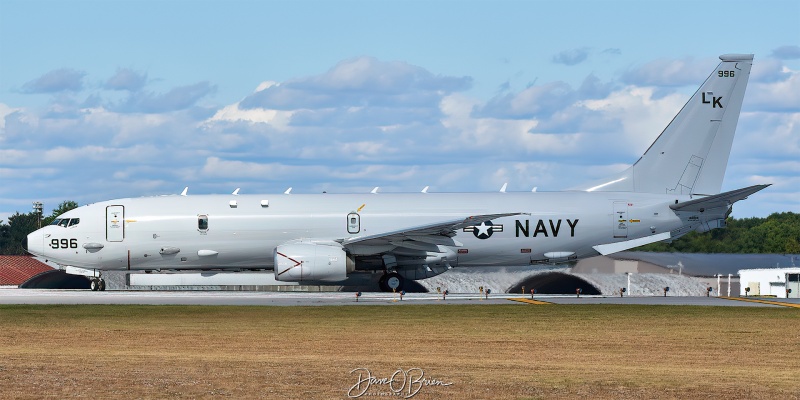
pixel 353 223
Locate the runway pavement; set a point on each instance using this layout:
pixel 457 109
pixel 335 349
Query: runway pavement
pixel 51 296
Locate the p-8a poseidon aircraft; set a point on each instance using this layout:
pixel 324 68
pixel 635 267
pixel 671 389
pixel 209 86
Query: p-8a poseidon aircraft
pixel 673 189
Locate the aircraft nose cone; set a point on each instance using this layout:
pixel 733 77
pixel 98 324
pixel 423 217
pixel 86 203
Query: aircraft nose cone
pixel 32 244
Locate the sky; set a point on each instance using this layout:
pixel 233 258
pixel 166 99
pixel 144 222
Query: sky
pixel 112 99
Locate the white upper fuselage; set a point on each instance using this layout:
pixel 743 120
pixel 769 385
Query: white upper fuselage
pixel 165 233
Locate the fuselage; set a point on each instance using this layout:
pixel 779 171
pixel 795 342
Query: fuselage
pixel 241 232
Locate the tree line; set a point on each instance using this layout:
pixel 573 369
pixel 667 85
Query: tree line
pixel 777 233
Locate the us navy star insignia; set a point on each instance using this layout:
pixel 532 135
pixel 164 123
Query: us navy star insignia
pixel 484 230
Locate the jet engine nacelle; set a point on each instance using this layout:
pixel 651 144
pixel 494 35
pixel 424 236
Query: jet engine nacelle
pixel 295 262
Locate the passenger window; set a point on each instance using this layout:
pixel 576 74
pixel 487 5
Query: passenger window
pixel 202 222
pixel 74 221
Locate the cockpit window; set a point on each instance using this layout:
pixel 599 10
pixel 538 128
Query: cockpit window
pixel 65 222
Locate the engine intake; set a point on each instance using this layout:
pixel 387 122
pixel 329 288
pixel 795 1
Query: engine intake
pixel 296 262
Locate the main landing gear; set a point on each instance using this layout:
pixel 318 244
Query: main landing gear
pixel 97 284
pixel 392 282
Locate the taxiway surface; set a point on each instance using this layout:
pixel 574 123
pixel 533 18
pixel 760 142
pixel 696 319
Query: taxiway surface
pixel 51 296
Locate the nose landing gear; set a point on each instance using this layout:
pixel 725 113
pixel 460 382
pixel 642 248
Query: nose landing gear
pixel 97 284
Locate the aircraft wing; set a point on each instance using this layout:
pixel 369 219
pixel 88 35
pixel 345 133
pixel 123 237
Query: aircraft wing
pixel 717 200
pixel 424 237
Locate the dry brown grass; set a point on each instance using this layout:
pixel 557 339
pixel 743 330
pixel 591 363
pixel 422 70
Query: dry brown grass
pixel 508 351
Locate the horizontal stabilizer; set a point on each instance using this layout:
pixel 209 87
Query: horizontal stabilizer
pixel 717 200
pixel 611 248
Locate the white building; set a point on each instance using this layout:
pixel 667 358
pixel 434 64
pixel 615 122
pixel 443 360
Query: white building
pixel 770 282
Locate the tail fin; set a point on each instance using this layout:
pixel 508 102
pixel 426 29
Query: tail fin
pixel 691 154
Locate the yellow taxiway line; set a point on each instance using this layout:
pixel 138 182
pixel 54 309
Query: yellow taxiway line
pixel 531 301
pixel 776 303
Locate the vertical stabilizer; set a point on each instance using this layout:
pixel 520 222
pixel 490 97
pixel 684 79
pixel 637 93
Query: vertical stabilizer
pixel 691 154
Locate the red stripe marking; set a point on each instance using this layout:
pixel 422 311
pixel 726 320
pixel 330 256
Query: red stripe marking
pixel 296 263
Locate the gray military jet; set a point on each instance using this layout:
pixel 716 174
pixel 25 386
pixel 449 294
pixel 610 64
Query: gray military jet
pixel 673 189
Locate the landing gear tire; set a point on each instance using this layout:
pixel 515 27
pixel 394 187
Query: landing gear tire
pixel 393 282
pixel 97 284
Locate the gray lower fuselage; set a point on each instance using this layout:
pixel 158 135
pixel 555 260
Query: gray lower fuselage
pixel 241 232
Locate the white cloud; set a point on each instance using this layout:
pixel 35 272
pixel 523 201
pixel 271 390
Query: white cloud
pixel 641 116
pixel 358 82
pixel 355 151
pixel 13 156
pixel 25 173
pixel 4 111
pixel 768 136
pixel 571 57
pixel 177 98
pixel 233 113
pixel 768 70
pixel 782 95
pixel 666 72
pixel 779 182
pixel 217 167
pixel 59 80
pixel 278 119
pixel 126 79
pixel 514 135
pixel 791 52
pixel 367 123
pixel 534 101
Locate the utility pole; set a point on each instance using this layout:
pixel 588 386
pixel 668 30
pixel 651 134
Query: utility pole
pixel 37 208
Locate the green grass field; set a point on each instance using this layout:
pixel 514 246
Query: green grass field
pixel 485 351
